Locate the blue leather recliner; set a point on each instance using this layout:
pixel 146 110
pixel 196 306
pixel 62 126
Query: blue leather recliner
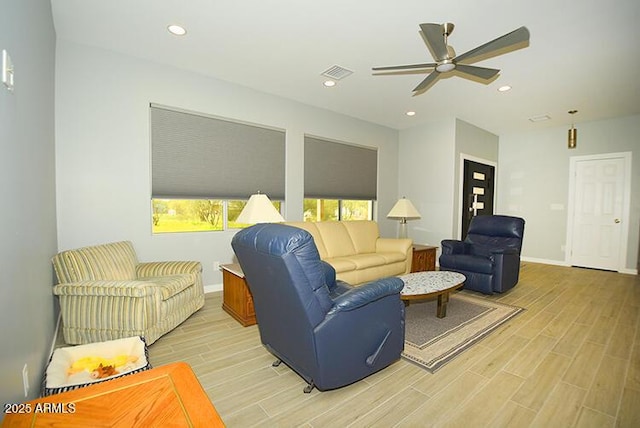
pixel 328 332
pixel 490 254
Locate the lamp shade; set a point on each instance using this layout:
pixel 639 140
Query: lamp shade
pixel 403 209
pixel 259 209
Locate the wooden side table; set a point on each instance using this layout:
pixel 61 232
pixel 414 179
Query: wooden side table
pixel 236 297
pixel 424 258
pixel 164 396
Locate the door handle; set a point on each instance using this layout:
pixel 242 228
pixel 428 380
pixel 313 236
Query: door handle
pixel 616 221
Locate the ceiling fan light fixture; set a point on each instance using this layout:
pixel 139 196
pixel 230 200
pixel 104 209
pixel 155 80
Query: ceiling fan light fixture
pixel 445 67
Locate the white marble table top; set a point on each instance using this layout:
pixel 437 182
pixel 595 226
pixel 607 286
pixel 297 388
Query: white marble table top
pixel 430 282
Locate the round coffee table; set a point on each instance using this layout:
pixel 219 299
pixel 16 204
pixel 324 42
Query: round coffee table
pixel 421 285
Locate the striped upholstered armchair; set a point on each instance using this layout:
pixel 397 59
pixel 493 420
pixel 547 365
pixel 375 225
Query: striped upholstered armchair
pixel 106 294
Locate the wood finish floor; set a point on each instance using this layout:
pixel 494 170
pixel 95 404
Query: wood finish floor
pixel 572 359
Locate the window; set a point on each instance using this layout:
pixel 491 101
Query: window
pixel 340 180
pixel 184 215
pixel 204 168
pixel 197 215
pixel 337 209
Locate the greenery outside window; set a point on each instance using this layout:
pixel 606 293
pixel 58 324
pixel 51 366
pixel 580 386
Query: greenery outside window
pixel 337 209
pixel 197 215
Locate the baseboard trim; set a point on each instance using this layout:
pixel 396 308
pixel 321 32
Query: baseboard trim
pixel 212 288
pixel 625 271
pixel 545 261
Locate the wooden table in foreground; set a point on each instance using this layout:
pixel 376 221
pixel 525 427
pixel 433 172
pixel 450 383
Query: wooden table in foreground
pixel 422 285
pixel 164 396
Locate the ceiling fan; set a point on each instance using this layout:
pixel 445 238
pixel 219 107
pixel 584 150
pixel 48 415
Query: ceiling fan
pixel 436 35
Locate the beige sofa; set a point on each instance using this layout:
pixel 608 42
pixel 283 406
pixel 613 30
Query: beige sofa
pixel 356 250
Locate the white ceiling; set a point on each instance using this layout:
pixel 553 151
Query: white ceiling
pixel 583 54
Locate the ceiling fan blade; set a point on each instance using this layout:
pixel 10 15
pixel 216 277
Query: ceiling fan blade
pixel 405 67
pixel 427 82
pixel 435 40
pixel 480 72
pixel 521 35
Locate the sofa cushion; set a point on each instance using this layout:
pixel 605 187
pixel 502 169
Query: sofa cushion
pixel 363 261
pixel 313 230
pixel 171 285
pixel 114 261
pixel 392 257
pixel 336 239
pixel 341 264
pixel 364 235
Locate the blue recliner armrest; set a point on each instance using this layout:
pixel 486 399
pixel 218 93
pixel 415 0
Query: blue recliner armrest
pixel 359 296
pixel 507 269
pixel 453 246
pixel 329 273
pixel 335 286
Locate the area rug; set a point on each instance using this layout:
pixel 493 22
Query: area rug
pixel 432 342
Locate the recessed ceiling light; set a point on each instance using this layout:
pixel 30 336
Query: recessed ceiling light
pixel 410 113
pixel 329 83
pixel 177 30
pixel 504 88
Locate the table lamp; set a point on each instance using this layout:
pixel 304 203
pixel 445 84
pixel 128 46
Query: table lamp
pixel 403 210
pixel 259 209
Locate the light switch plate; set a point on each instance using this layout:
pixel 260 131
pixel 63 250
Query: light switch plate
pixel 7 70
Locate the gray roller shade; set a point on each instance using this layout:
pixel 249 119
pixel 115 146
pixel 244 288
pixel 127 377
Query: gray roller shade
pixel 196 156
pixel 339 171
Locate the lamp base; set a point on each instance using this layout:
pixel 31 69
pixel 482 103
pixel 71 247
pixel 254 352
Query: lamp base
pixel 402 231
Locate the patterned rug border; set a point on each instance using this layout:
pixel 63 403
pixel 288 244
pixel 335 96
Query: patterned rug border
pixel 438 351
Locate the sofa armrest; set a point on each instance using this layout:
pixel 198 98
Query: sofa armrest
pixel 104 288
pixel 154 269
pixel 388 245
pixel 453 246
pixel 367 293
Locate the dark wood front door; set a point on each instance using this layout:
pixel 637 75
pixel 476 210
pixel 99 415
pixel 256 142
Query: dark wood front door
pixel 477 191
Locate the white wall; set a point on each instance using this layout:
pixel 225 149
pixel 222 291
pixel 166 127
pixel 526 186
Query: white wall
pixel 476 144
pixel 426 178
pixel 532 178
pixel 27 217
pixel 429 173
pixel 102 149
pixel 534 181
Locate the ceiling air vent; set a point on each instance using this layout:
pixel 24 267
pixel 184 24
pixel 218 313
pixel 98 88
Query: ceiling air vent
pixel 540 118
pixel 336 72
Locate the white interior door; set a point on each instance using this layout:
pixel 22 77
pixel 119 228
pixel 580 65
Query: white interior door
pixel 598 211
